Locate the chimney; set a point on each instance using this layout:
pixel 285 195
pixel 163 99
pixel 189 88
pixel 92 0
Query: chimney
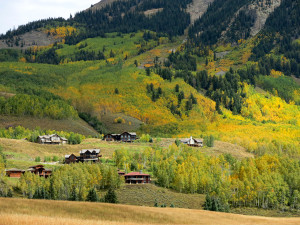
pixel 141 171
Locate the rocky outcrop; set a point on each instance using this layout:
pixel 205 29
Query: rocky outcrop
pixel 197 8
pixel 29 39
pixel 263 9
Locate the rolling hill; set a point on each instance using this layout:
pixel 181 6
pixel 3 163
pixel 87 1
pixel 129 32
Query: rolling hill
pixel 60 212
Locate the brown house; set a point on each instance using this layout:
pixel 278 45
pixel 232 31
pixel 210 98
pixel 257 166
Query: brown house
pixel 14 173
pixel 111 137
pixel 128 136
pixel 86 155
pixel 124 137
pixel 40 170
pixel 137 178
pixel 70 159
pixel 52 139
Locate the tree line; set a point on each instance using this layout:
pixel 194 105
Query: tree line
pixel 20 132
pixel 268 181
pixel 22 104
pixel 74 182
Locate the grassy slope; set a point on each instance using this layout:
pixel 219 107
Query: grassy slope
pixel 145 195
pixel 77 126
pixel 17 211
pixel 21 153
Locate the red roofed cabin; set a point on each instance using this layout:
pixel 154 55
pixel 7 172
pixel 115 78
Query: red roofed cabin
pixel 137 178
pixel 14 173
pixel 40 170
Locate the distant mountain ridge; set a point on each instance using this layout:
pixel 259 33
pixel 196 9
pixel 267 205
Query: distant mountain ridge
pixel 220 20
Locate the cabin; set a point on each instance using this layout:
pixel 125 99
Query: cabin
pixel 70 159
pixel 137 178
pixel 52 139
pixel 112 137
pixel 14 173
pixel 86 155
pixel 40 170
pixel 192 142
pixel 128 136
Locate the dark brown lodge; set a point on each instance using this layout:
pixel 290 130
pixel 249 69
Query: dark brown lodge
pixel 86 155
pixel 137 178
pixel 40 170
pixel 124 137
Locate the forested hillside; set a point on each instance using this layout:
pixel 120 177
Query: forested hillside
pixel 219 76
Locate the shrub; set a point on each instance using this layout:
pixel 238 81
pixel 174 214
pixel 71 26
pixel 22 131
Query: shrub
pixel 37 159
pixel 209 141
pixel 145 138
pixel 119 120
pixel 92 195
pixel 111 196
pixel 177 142
pixel 47 159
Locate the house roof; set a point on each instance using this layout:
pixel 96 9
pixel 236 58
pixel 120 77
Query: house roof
pixel 14 170
pixel 187 140
pixel 131 133
pixel 115 135
pixel 36 166
pixel 90 150
pixel 68 156
pixel 136 174
pixel 52 135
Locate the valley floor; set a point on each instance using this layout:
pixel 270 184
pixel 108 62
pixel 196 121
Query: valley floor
pixel 43 212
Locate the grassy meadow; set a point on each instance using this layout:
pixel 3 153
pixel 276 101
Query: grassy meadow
pixel 17 211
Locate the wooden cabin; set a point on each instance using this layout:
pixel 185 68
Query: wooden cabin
pixel 128 136
pixel 52 139
pixel 112 137
pixel 14 173
pixel 70 159
pixel 137 178
pixel 193 142
pixel 89 155
pixel 40 170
